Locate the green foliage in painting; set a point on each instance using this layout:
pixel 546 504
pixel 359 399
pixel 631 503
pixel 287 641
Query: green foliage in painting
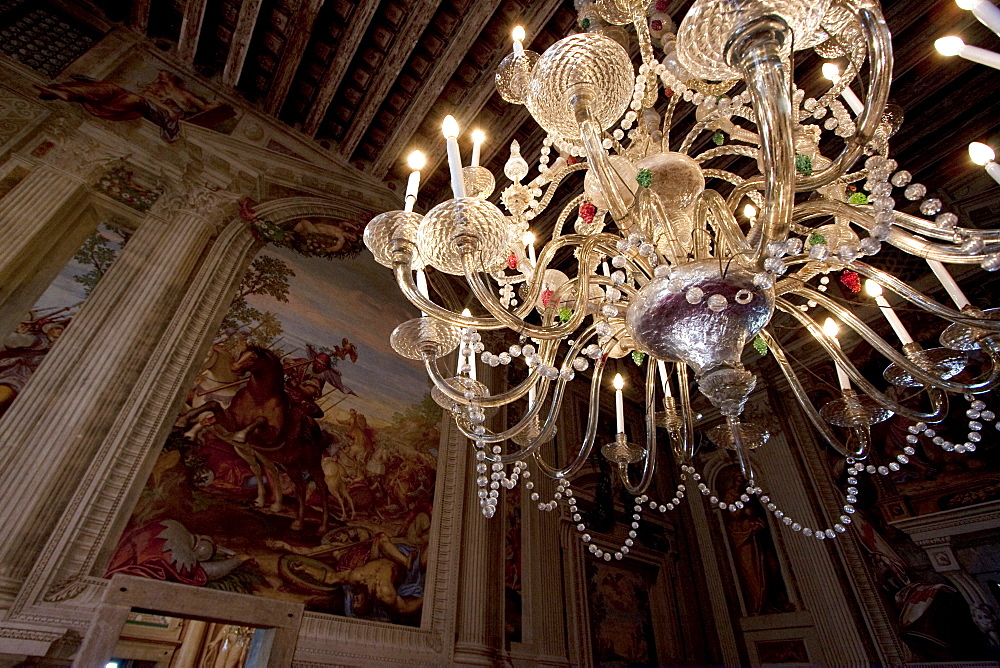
pixel 99 253
pixel 268 276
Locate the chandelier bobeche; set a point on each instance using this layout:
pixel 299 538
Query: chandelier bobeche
pixel 662 268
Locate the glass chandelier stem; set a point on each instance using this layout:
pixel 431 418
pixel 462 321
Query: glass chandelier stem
pixel 616 192
pixel 756 50
pixel 683 384
pixel 800 395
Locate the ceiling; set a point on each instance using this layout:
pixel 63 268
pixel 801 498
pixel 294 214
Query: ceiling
pixel 371 80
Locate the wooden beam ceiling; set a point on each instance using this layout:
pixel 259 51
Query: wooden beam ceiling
pixel 292 54
pixel 240 44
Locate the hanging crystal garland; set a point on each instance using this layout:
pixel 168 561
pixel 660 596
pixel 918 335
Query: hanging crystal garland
pixel 664 270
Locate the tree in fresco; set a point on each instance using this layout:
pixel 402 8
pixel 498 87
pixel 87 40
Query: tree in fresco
pixel 99 253
pixel 269 276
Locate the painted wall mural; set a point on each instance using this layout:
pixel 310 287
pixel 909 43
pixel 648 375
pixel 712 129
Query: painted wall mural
pixel 303 464
pixel 621 620
pixel 22 351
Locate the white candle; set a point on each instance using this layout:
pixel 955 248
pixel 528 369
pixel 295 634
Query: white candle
pixel 954 46
pixel 529 240
pixel 422 287
pixel 416 162
pixel 950 286
pixel 477 144
pixel 531 396
pixel 981 154
pixel 830 328
pixel 519 36
pixel 987 13
pixel 620 403
pixel 875 290
pixel 450 130
pixel 664 377
pixel 832 72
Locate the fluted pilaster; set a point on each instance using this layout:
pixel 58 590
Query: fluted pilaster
pixel 54 429
pixel 479 627
pixel 40 227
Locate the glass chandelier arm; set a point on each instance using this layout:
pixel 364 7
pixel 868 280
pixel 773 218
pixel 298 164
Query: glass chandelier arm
pixel 511 320
pixel 565 215
pixel 528 418
pixel 408 286
pixel 900 238
pixel 756 49
pixel 591 434
pixel 730 149
pixel 879 43
pixel 929 229
pixel 799 392
pixel 729 230
pixel 649 465
pixel 550 190
pixel 865 332
pixel 687 443
pixel 890 282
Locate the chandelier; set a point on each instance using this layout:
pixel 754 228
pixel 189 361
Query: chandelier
pixel 661 267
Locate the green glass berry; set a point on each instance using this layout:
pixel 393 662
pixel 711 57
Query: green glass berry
pixel 760 345
pixel 644 177
pixel 816 238
pixel 718 139
pixel 804 164
pixel 638 357
pixel 858 198
pixel 565 314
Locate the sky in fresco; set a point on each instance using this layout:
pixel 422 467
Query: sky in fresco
pixel 358 299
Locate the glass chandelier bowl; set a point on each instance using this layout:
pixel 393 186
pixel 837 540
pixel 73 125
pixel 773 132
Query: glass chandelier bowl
pixel 941 362
pixel 514 76
pixel 752 436
pixel 704 34
pixel 464 219
pixel 586 65
pixel 387 227
pixel 479 182
pixel 701 314
pixel 418 337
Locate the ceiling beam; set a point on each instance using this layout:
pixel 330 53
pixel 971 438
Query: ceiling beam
pixel 138 16
pixel 194 15
pixel 484 87
pixel 291 56
pixel 356 28
pixel 472 24
pixel 240 44
pixel 393 63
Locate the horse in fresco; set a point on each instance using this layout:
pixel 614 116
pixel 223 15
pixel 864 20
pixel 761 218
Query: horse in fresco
pixel 264 429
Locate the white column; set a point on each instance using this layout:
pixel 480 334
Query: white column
pixel 50 435
pixel 40 231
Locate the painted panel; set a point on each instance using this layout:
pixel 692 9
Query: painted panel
pixel 303 464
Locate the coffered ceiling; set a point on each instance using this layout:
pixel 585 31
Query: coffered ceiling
pixel 371 80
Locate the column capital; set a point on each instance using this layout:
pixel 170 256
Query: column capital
pixel 201 200
pixel 74 152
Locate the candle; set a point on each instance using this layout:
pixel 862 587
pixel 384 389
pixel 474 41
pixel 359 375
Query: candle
pixel 477 143
pixel 875 290
pixel 620 403
pixel 954 46
pixel 519 40
pixel 830 328
pixel 981 154
pixel 987 13
pixel 450 130
pixel 832 72
pixel 531 397
pixel 950 286
pixel 664 377
pixel 529 240
pixel 422 287
pixel 416 162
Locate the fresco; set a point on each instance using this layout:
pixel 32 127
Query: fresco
pixel 621 620
pixel 22 351
pixel 303 464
